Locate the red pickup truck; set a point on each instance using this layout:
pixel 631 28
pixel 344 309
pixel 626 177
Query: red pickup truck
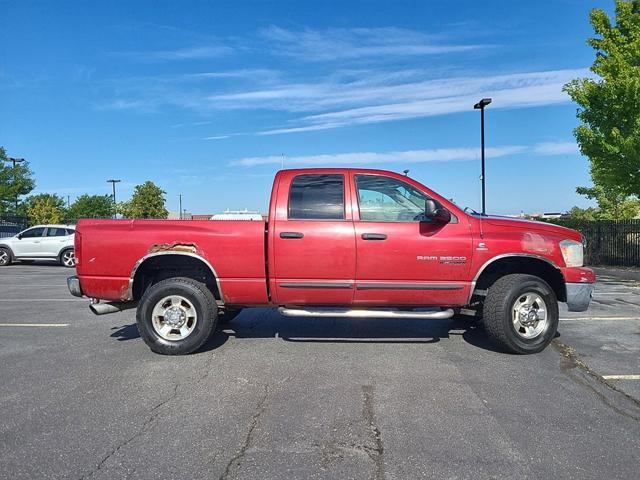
pixel 337 243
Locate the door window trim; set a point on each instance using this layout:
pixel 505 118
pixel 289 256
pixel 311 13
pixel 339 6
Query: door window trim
pixel 454 218
pixel 344 200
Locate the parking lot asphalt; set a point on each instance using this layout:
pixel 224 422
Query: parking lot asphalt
pixel 82 396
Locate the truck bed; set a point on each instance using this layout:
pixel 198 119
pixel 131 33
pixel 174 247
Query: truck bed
pixel 235 248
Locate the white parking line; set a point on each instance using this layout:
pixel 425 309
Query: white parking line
pixel 599 318
pixel 42 300
pixel 621 377
pixel 34 324
pixel 11 275
pixel 597 294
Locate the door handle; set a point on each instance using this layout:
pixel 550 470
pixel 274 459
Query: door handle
pixel 374 236
pixel 291 235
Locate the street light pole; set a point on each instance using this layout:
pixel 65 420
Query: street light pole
pixel 113 184
pixel 480 105
pixel 180 196
pixel 16 161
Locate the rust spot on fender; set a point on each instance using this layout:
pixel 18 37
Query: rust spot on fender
pixel 127 293
pixel 174 247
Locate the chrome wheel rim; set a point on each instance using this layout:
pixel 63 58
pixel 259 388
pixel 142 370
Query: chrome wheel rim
pixel 174 318
pixel 4 257
pixel 529 315
pixel 69 258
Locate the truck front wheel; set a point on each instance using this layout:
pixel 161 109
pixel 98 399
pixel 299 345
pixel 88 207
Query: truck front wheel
pixel 176 316
pixel 520 313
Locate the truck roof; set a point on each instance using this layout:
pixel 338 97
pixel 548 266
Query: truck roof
pixel 339 169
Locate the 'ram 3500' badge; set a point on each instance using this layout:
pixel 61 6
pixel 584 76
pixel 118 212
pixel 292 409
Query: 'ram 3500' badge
pixel 444 259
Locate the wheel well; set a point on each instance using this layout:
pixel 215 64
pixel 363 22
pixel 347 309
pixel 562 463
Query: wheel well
pixel 527 265
pixel 160 267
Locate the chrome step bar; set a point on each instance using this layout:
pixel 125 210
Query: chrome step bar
pixel 362 313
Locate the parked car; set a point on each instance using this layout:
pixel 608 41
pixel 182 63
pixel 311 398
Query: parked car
pixel 42 242
pixel 337 243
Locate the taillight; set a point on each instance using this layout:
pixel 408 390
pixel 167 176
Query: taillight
pixel 77 245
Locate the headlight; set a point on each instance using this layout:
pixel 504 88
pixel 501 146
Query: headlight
pixel 572 252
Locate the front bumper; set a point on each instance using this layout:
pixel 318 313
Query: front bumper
pixel 579 295
pixel 73 283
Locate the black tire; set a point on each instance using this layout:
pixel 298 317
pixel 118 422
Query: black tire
pixel 5 257
pixel 226 315
pixel 203 302
pixel 63 258
pixel 497 313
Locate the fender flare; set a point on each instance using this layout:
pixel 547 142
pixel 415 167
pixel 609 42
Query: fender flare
pixel 141 261
pixel 507 255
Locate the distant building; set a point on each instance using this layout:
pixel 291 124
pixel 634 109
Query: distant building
pixel 238 215
pixel 547 215
pixel 176 216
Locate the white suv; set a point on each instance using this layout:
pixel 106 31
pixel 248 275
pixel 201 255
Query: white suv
pixel 42 242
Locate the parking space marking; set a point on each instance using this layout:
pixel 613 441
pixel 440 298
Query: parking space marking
pixel 621 377
pixel 42 300
pixel 34 324
pixel 11 275
pixel 599 318
pixel 597 294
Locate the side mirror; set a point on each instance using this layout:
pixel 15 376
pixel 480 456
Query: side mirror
pixel 19 236
pixel 435 212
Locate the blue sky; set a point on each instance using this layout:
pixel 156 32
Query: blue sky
pixel 204 98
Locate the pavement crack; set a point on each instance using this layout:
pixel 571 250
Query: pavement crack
pixel 236 460
pixel 155 412
pixel 368 414
pixel 571 361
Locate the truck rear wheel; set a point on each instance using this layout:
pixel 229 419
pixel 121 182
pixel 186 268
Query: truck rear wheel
pixel 176 316
pixel 520 313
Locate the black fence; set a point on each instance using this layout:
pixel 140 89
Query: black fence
pixel 10 225
pixel 609 242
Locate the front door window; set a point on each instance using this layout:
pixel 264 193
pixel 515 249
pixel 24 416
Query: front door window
pixel 385 199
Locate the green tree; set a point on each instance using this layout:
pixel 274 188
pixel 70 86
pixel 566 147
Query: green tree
pixel 45 209
pixel 147 201
pixel 612 203
pixel 91 206
pixel 577 213
pixel 14 181
pixel 609 102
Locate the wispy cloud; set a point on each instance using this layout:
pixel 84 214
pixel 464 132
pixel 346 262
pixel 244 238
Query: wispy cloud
pixel 336 91
pixel 216 137
pixel 197 52
pixel 405 156
pixel 356 43
pixel 368 158
pixel 340 100
pixel 422 99
pixel 557 148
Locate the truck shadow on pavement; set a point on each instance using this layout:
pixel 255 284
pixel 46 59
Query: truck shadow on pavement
pixel 266 323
